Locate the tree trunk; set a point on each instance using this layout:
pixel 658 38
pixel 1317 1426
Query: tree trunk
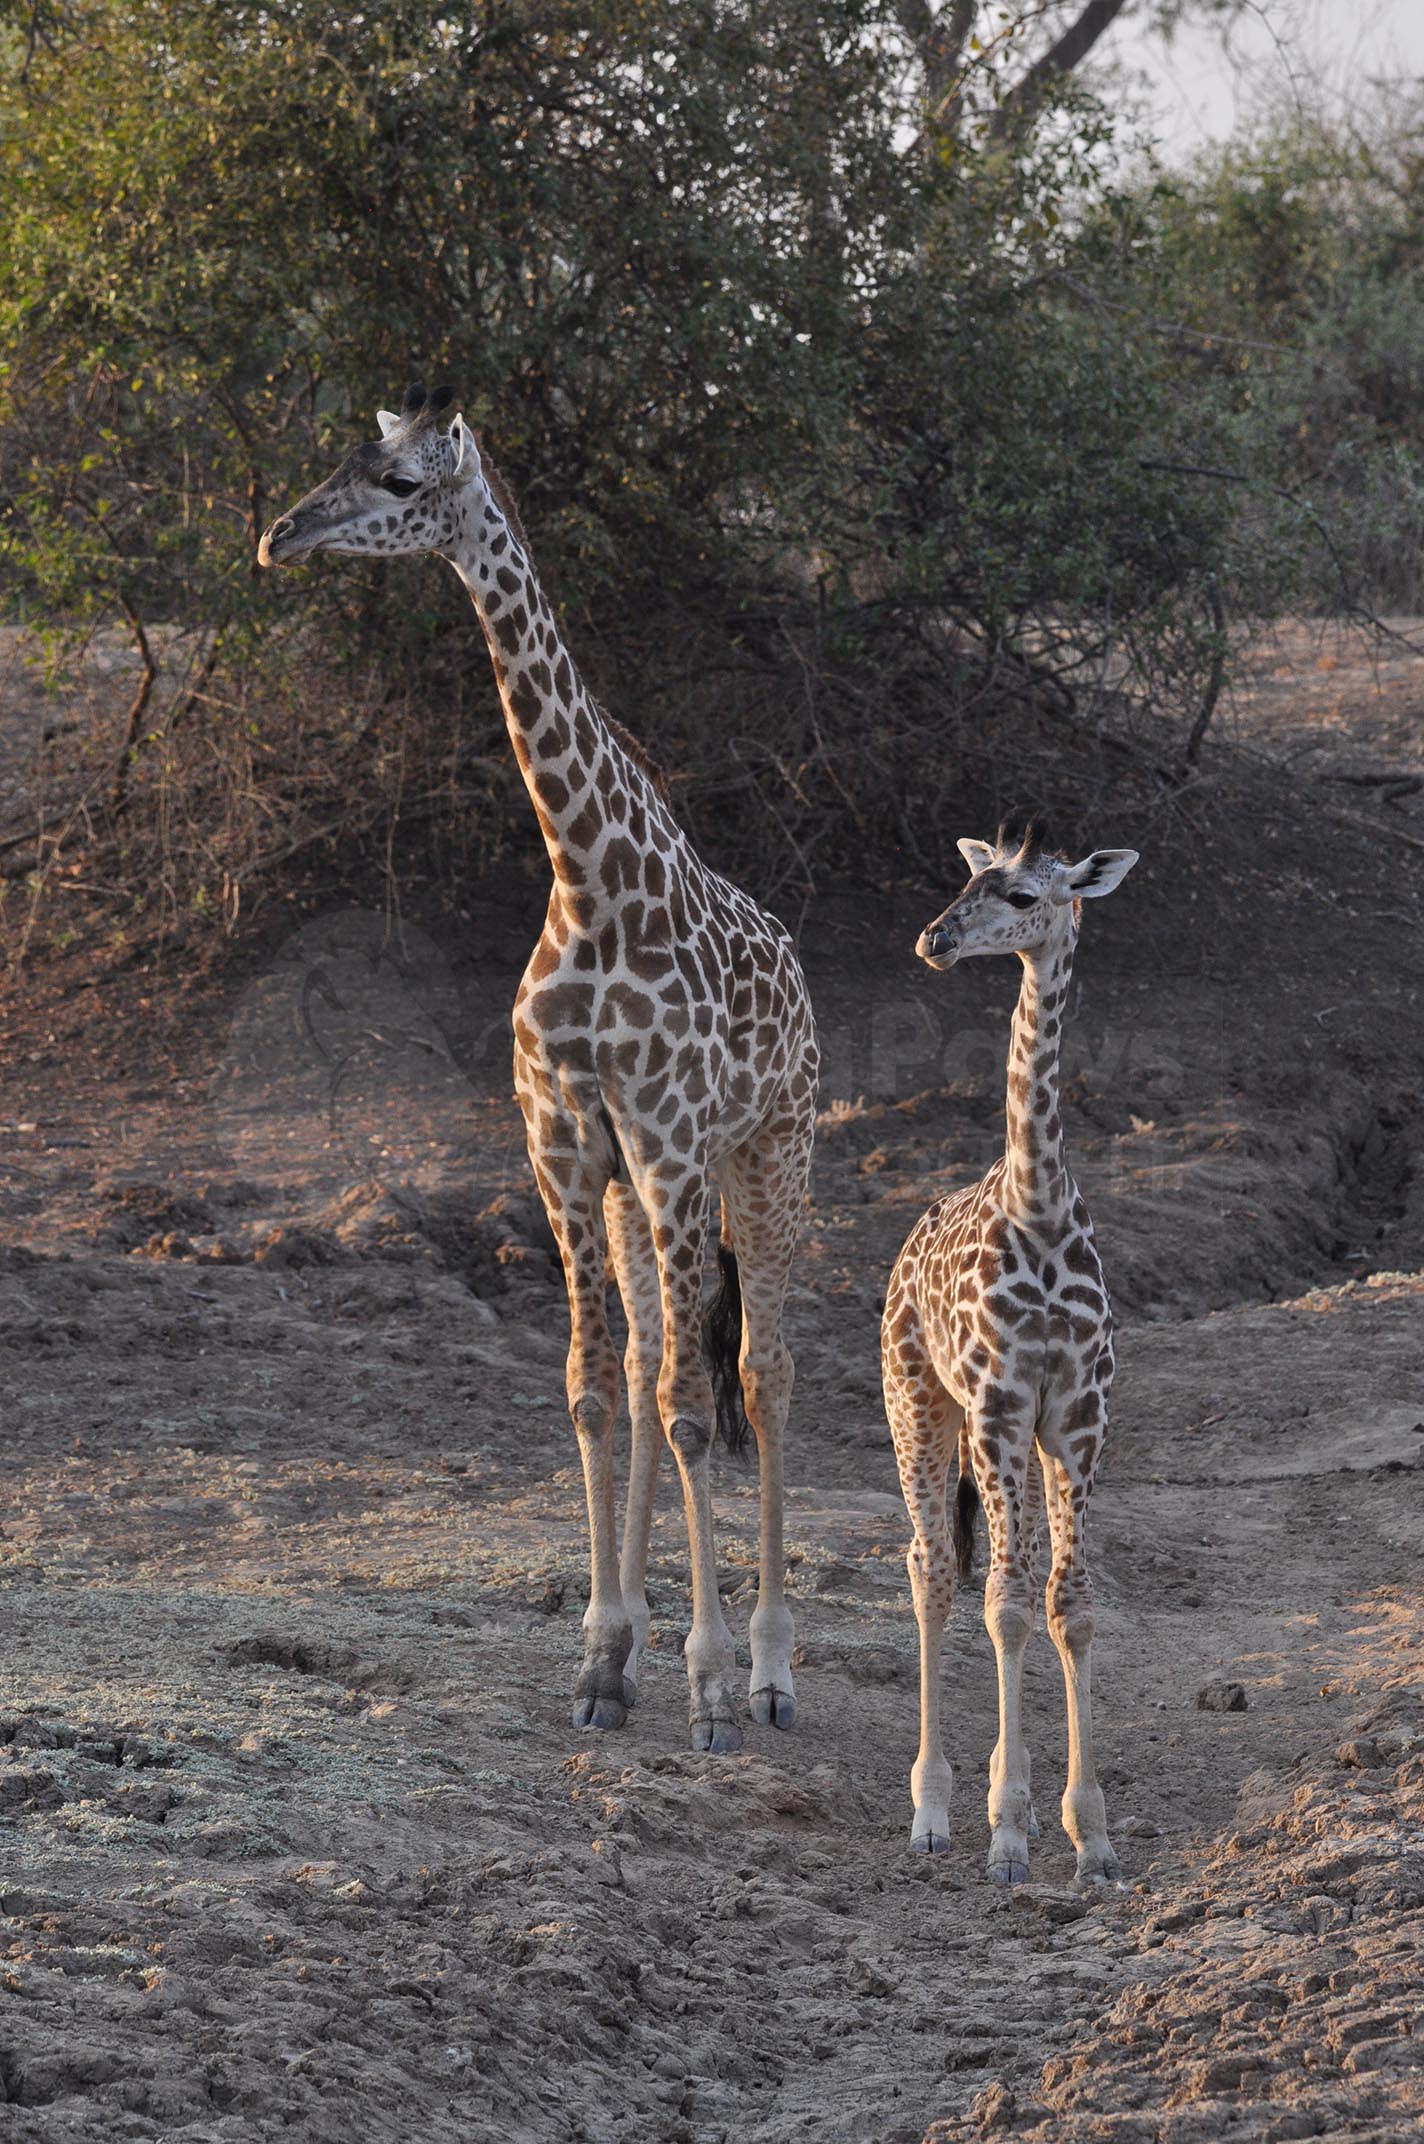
pixel 939 40
pixel 1063 55
pixel 133 729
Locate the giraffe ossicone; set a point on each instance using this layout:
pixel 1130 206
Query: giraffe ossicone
pixel 664 1056
pixel 997 1359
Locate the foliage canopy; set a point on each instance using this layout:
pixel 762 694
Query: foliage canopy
pixel 834 429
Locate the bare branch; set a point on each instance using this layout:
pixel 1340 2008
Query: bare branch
pixel 1063 55
pixel 133 729
pixel 939 36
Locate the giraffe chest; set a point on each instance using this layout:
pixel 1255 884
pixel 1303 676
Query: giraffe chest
pixel 681 1041
pixel 1009 1311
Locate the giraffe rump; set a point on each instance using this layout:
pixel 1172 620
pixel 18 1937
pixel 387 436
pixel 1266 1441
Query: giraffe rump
pixel 722 1347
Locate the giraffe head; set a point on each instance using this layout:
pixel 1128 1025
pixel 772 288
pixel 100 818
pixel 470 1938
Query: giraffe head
pixel 402 492
pixel 1022 897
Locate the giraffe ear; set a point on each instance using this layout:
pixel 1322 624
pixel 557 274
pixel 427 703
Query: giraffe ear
pixel 387 420
pixel 977 854
pixel 464 450
pixel 1096 874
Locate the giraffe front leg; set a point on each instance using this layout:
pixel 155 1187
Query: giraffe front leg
pixel 635 1266
pixel 600 1693
pixel 931 1566
pixel 713 1713
pixel 1034 1494
pixel 1008 1617
pixel 647 1450
pixel 1001 1468
pixel 576 1218
pixel 1071 1619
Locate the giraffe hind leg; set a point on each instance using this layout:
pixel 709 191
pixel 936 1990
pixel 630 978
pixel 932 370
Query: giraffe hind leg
pixel 1071 1619
pixel 965 1512
pixel 764 1188
pixel 925 1424
pixel 1001 1460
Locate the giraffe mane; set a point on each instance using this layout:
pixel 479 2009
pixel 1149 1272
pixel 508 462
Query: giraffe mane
pixel 504 499
pixel 638 752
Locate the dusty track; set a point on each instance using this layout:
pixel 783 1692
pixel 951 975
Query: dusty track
pixel 295 1839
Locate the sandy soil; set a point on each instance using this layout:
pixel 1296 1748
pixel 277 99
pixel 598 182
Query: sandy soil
pixel 295 1839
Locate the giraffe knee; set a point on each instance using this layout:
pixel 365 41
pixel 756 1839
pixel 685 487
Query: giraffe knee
pixel 1070 1607
pixel 592 1414
pixel 766 1388
pixel 1008 1624
pixel 690 1437
pixel 1073 1633
pixel 1008 1611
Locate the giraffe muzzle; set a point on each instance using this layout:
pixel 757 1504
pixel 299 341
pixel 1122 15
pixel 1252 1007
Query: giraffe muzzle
pixel 280 545
pixel 939 946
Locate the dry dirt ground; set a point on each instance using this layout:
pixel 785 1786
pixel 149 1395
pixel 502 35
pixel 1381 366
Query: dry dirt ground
pixel 295 1837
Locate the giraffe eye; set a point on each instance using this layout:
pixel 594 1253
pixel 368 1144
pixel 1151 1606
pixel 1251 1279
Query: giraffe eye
pixel 399 487
pixel 1021 900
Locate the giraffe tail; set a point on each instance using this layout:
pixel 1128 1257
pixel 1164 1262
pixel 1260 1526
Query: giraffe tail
pixel 722 1347
pixel 966 1511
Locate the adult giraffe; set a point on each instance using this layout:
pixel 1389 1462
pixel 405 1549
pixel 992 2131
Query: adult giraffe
pixel 664 1051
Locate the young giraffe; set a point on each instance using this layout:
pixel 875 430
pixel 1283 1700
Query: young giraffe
pixel 664 1050
pixel 996 1344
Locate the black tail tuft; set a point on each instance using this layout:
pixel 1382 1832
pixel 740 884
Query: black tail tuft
pixel 966 1511
pixel 722 1346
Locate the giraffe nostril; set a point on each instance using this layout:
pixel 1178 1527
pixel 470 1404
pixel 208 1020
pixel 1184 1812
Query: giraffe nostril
pixel 268 549
pixel 935 942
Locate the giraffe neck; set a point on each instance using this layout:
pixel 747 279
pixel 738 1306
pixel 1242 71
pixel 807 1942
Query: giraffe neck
pixel 1037 1184
pixel 590 796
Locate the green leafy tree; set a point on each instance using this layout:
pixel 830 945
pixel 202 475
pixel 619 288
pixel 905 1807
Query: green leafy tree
pixel 826 444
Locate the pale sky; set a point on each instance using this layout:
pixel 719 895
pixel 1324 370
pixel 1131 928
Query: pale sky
pixel 1344 54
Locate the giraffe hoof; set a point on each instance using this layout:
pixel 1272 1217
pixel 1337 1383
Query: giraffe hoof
pixel 602 1713
pixel 929 1842
pixel 1009 1870
pixel 718 1738
pixel 773 1708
